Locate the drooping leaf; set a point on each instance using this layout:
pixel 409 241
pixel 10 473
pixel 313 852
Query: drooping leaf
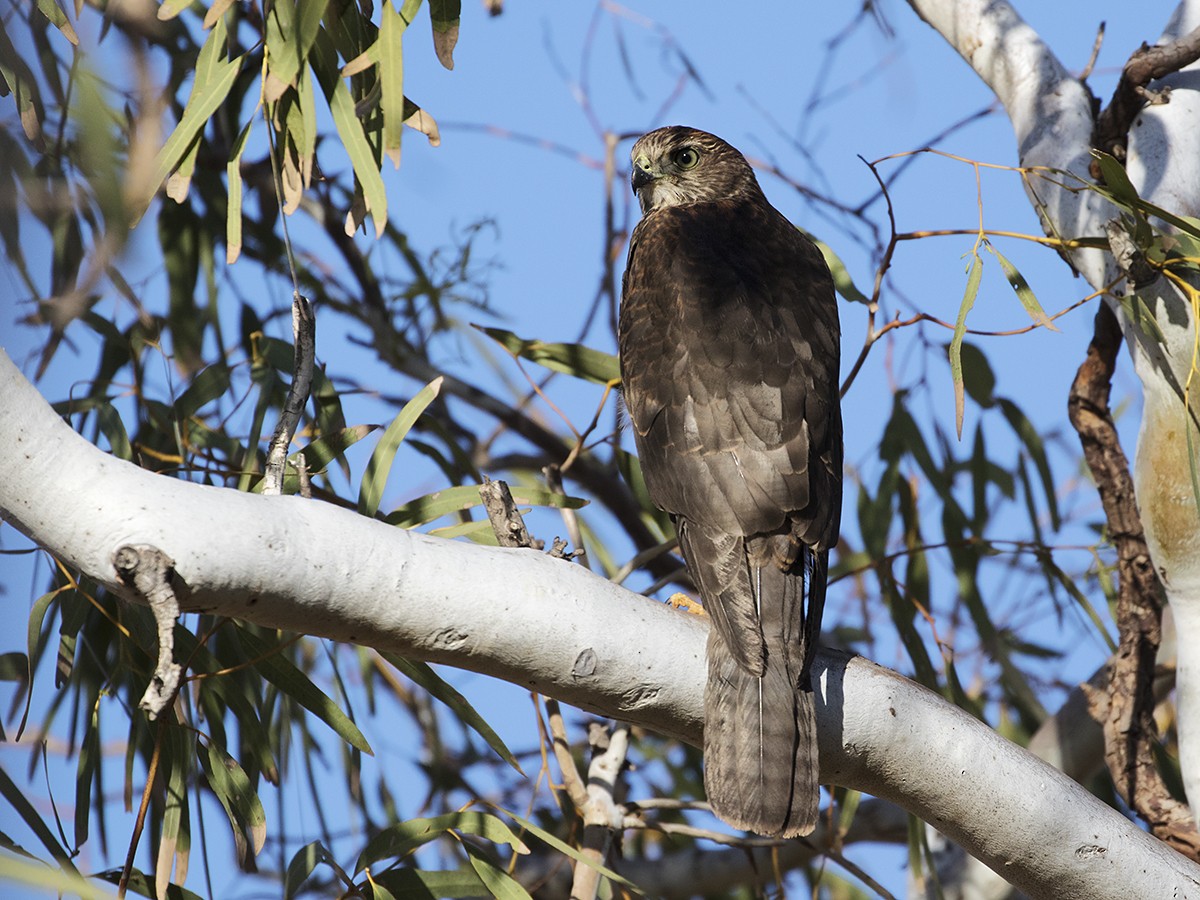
pixel 236 794
pixel 444 15
pixel 422 674
pixel 402 838
pixel 87 773
pixel 19 804
pixel 51 10
pixel 391 78
pixel 572 359
pixel 573 852
pixel 499 883
pixel 209 385
pixel 213 81
pixel 842 282
pixel 278 670
pixel 406 883
pixel 233 210
pixel 464 497
pixel 349 129
pixel 975 273
pixel 1028 435
pixel 375 477
pixel 1023 291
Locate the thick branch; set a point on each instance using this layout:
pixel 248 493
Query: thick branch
pixel 310 567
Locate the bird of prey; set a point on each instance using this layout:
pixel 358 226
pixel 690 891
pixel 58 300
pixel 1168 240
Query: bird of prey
pixel 729 347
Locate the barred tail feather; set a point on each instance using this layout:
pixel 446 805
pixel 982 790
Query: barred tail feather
pixel 761 769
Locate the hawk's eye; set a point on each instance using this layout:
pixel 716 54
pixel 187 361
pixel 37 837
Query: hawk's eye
pixel 686 158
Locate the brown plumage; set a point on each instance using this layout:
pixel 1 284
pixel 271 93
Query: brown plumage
pixel 729 358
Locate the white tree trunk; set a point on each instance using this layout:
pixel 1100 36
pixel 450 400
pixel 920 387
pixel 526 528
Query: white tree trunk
pixel 1051 115
pixel 554 627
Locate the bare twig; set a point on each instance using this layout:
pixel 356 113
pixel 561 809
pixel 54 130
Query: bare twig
pixel 1096 45
pixel 506 520
pixel 1127 709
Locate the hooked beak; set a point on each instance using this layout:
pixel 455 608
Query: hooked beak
pixel 642 175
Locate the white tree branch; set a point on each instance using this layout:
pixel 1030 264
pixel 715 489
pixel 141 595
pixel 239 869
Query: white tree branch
pixel 556 628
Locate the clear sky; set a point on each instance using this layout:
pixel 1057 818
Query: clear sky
pixel 522 117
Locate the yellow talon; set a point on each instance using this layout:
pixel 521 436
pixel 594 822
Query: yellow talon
pixel 687 604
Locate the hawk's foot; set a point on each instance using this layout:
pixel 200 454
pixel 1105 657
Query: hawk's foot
pixel 686 603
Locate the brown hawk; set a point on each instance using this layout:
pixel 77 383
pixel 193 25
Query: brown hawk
pixel 729 345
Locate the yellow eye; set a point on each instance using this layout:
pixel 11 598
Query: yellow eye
pixel 686 158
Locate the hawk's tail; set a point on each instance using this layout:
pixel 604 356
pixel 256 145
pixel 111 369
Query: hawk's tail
pixel 760 737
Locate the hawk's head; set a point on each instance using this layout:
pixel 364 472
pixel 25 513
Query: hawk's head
pixel 675 166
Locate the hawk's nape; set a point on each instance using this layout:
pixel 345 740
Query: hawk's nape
pixel 729 359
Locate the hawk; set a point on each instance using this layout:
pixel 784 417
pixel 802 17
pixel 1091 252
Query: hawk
pixel 729 347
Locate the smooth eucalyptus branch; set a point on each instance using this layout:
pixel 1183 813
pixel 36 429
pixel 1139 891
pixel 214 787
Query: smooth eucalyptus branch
pixel 555 628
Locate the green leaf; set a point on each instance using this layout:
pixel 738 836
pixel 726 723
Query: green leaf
pixel 501 885
pixel 33 638
pixel 19 804
pixel 145 886
pixel 108 420
pixel 480 531
pixel 464 497
pixel 402 838
pixel 420 673
pixel 307 858
pixel 175 837
pixel 214 79
pixel 572 359
pixel 291 30
pixel 233 789
pixel 1053 571
pixel 1029 436
pixel 842 282
pixel 42 879
pixel 278 670
pixel 301 866
pixel 350 130
pixel 209 385
pixel 1023 291
pixel 978 377
pixel 422 884
pixel 391 78
pixel 960 328
pixel 87 773
pixel 374 479
pixel 233 210
pixel 1121 191
pixel 562 847
pixel 58 19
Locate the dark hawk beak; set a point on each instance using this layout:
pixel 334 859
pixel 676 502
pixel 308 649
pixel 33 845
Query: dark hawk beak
pixel 641 178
